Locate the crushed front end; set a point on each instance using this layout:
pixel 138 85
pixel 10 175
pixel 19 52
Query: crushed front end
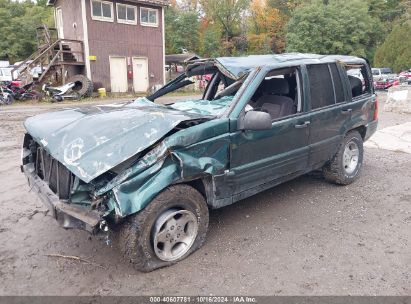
pixel 68 199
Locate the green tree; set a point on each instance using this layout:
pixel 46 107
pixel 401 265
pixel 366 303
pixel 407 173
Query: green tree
pixel 334 27
pixel 182 30
pixel 18 23
pixel 211 46
pixel 42 2
pixel 387 10
pixel 395 52
pixel 286 7
pixel 227 14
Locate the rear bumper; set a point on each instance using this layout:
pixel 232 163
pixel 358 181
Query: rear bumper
pixel 67 215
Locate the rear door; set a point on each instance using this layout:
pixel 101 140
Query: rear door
pixel 330 109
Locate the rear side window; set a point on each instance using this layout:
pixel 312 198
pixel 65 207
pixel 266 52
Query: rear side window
pixel 321 86
pixel 339 90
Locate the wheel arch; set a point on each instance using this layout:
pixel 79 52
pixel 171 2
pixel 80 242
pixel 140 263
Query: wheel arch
pixel 204 185
pixel 360 129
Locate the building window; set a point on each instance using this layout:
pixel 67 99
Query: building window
pixel 102 10
pixel 126 14
pixel 148 16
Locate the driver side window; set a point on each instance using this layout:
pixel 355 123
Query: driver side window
pixel 279 94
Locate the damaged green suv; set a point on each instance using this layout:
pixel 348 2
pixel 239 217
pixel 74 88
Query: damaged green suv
pixel 150 172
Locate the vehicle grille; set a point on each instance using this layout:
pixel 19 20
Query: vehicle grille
pixel 59 178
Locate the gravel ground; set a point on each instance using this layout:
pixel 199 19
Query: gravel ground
pixel 305 237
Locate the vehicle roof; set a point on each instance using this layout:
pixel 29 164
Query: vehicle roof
pixel 235 67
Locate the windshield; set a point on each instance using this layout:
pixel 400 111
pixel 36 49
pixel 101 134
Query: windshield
pixel 207 91
pixel 386 71
pixel 382 71
pixel 204 107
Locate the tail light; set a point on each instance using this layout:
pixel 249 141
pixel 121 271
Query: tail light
pixel 376 109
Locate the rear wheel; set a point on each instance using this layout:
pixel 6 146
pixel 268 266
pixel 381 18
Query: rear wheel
pixel 168 230
pixel 345 167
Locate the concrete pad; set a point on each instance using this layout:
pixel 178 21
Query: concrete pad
pixel 396 138
pixel 399 99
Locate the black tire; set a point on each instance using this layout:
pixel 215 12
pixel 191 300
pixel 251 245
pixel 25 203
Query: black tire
pixel 83 86
pixel 9 99
pixel 338 173
pixel 135 236
pixel 17 96
pixel 56 99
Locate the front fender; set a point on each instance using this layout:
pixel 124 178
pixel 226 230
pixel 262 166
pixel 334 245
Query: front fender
pixel 169 163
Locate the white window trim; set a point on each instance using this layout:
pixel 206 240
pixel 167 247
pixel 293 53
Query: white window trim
pixel 147 23
pixel 56 15
pixel 125 21
pixel 101 18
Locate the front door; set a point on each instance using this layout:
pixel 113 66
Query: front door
pixel 140 74
pixel 59 23
pixel 261 159
pixel 118 74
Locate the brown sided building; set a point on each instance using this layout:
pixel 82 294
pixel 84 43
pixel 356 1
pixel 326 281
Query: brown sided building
pixel 123 40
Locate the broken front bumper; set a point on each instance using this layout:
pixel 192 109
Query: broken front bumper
pixel 67 215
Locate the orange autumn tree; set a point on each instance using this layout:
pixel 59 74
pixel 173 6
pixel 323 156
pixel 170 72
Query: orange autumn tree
pixel 266 28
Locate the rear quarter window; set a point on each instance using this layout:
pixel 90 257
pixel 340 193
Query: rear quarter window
pixel 359 85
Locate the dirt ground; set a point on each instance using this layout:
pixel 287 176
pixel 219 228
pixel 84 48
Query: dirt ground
pixel 305 237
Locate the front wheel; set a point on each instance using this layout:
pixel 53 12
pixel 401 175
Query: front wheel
pixel 345 167
pixel 168 230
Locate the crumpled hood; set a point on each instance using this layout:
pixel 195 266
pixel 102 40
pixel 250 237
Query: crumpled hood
pixel 90 141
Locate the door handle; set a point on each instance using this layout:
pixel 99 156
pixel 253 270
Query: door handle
pixel 304 125
pixel 347 111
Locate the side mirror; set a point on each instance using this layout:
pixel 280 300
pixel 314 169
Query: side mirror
pixel 257 120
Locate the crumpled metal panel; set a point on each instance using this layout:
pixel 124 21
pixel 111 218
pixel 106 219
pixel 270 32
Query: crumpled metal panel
pixel 90 141
pixel 188 154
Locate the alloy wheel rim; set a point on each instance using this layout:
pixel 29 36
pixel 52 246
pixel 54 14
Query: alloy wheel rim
pixel 174 233
pixel 351 157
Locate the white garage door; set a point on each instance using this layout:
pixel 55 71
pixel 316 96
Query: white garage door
pixel 118 74
pixel 140 74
